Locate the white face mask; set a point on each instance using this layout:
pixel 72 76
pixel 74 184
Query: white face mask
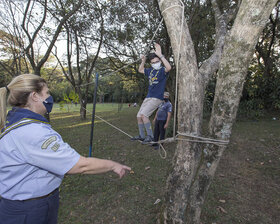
pixel 156 66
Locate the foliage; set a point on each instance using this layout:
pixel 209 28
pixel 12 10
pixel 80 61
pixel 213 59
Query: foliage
pixel 123 86
pixel 72 97
pixel 201 24
pixel 33 25
pixel 125 39
pixel 262 87
pixel 12 60
pixel 69 100
pixel 261 90
pixel 83 33
pixel 209 95
pixel 56 81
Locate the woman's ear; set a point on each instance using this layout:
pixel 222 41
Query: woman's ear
pixel 34 96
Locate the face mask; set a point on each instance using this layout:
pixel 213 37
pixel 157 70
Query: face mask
pixel 156 66
pixel 48 103
pixel 165 99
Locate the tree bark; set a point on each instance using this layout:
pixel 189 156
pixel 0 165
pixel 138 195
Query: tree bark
pixel 194 164
pixel 190 114
pixel 83 106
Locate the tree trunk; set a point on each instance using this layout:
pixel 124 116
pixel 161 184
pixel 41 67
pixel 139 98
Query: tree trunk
pixel 190 109
pixel 83 103
pixel 37 71
pixel 83 106
pixel 194 164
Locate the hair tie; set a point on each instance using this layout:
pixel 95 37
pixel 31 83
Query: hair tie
pixel 7 89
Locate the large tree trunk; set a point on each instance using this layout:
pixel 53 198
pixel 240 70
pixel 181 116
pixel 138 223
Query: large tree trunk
pixel 194 165
pixel 189 115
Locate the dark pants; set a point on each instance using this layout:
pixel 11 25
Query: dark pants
pixel 37 211
pixel 159 130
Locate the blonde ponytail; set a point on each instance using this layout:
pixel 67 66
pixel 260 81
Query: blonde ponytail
pixel 18 91
pixel 3 106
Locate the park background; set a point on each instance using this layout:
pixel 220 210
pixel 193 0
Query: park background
pixel 102 37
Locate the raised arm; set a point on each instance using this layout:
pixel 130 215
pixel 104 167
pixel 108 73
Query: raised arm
pixel 87 165
pixel 141 67
pixel 162 58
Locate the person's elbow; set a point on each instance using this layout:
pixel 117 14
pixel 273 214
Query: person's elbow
pixel 168 68
pixel 141 70
pixel 80 166
pixel 169 115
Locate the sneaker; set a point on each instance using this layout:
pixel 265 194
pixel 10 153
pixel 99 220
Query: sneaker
pixel 137 138
pixel 147 140
pixel 156 146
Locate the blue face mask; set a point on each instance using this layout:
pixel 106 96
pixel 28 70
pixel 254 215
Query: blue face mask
pixel 48 103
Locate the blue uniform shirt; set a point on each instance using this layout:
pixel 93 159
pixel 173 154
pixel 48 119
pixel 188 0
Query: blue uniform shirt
pixel 163 110
pixel 33 157
pixel 157 81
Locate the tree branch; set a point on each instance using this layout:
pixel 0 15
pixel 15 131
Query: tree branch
pixel 100 43
pixel 210 65
pixel 59 27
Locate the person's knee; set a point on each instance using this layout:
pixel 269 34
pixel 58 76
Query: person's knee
pixel 145 119
pixel 139 119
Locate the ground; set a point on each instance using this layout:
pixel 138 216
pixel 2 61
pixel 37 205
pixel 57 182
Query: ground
pixel 246 188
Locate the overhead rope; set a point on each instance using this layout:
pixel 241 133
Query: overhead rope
pixel 125 66
pixel 151 41
pixel 182 6
pixel 177 60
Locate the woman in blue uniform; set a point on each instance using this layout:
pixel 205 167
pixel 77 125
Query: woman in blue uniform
pixel 33 157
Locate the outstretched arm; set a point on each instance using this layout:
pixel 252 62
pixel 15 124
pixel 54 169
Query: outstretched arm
pixel 162 58
pixel 86 165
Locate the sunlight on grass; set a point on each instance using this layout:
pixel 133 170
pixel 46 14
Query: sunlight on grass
pixel 82 124
pixel 100 107
pixel 65 116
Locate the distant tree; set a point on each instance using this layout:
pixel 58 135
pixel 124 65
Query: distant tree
pixel 12 60
pixel 84 36
pixel 29 22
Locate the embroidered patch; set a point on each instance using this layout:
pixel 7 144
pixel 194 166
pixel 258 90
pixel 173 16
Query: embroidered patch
pixel 55 147
pixel 48 142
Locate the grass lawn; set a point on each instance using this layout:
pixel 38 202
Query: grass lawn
pixel 246 188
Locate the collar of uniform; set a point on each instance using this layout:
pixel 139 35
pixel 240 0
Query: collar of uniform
pixel 17 114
